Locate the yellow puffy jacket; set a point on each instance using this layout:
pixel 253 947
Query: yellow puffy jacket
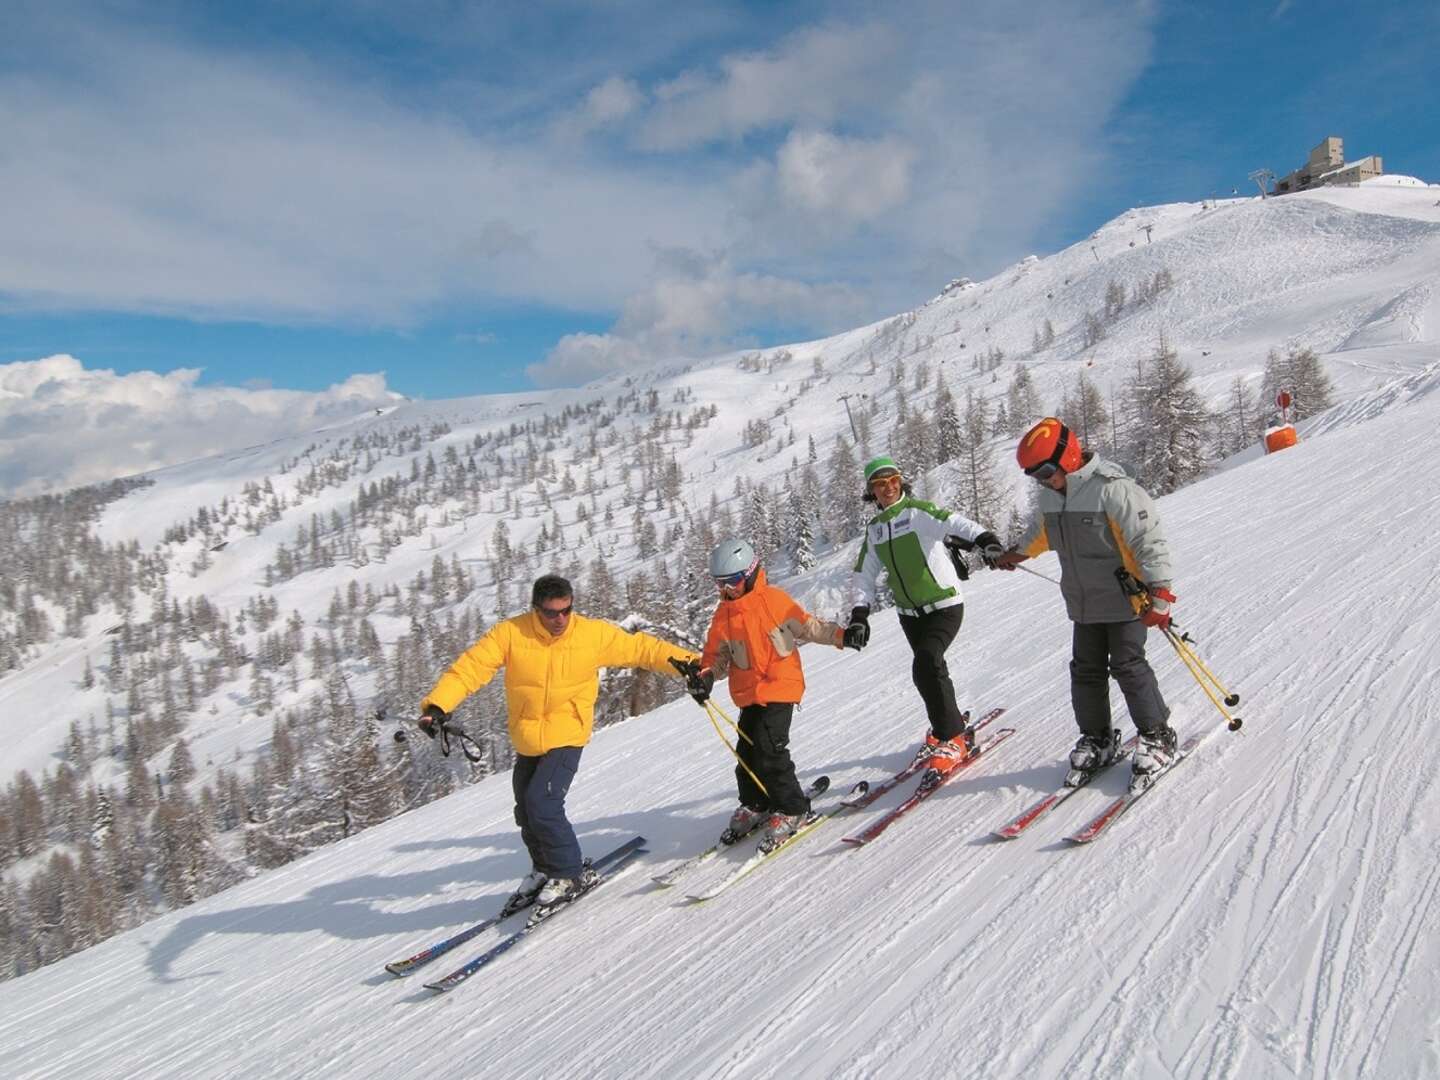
pixel 551 681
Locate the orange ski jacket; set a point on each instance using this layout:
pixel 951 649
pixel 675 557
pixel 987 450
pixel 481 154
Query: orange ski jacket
pixel 756 638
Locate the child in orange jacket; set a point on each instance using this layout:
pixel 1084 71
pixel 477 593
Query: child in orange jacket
pixel 754 637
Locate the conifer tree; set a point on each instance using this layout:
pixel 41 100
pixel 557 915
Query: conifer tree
pixel 1084 412
pixel 1022 400
pixel 1171 423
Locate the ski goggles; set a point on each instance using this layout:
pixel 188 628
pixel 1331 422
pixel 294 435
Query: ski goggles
pixel 1042 472
pixel 732 586
pixel 884 479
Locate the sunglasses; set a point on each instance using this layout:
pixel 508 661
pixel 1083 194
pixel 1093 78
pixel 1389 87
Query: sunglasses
pixel 555 613
pixel 1042 473
pixel 884 480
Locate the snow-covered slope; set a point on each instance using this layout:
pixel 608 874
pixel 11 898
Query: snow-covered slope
pixel 1272 910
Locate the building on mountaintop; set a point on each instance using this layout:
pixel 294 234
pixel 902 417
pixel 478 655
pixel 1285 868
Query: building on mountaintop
pixel 1327 167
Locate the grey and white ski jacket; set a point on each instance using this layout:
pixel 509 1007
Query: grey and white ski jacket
pixel 1103 520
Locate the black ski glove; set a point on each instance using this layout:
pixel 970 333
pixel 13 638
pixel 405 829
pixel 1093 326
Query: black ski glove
pixel 432 720
pixel 698 684
pixel 989 547
pixel 857 634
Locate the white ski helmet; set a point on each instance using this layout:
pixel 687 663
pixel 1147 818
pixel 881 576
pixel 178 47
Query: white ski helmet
pixel 733 556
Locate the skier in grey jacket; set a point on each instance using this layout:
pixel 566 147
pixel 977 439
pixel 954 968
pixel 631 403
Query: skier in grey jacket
pixel 1098 520
pixel 907 540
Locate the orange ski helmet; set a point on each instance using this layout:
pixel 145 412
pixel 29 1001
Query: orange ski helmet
pixel 1048 443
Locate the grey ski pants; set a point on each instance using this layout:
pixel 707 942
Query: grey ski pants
pixel 1100 651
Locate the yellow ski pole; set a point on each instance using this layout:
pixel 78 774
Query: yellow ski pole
pixel 1182 643
pixel 1195 667
pixel 713 710
pixel 690 670
pixel 1139 595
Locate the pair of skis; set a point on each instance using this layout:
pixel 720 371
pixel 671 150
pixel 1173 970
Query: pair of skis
pixel 1111 812
pixel 862 795
pixel 607 867
pixel 931 781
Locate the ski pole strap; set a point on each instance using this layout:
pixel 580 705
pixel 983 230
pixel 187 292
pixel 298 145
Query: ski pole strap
pixel 712 710
pixel 1132 587
pixel 449 731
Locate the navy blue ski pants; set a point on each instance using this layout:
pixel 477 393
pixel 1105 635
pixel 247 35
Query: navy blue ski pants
pixel 541 784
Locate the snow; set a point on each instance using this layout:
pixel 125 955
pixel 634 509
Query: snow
pixel 1271 910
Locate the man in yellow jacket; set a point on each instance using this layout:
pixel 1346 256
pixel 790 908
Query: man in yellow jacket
pixel 552 659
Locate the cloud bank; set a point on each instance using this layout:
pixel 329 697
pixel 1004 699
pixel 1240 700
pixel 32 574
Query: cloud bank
pixel 814 168
pixel 62 425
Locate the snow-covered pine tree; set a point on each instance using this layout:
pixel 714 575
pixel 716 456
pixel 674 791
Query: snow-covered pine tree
pixel 1084 412
pixel 800 533
pixel 844 488
pixel 979 493
pixel 1301 373
pixel 1022 400
pixel 1170 447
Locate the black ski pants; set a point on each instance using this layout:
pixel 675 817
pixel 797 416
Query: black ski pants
pixel 541 784
pixel 1101 651
pixel 930 634
pixel 767 752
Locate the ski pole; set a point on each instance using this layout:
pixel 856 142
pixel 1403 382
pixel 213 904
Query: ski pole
pixel 447 732
pixel 1047 577
pixel 1195 667
pixel 1139 595
pixel 689 669
pixel 1181 641
pixel 712 710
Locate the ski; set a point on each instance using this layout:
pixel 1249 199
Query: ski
pixel 440 948
pixel 1017 825
pixel 930 782
pixel 1107 817
pixel 818 786
pixel 864 793
pixel 758 857
pixel 615 861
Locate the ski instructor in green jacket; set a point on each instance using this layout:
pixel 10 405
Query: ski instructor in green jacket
pixel 909 539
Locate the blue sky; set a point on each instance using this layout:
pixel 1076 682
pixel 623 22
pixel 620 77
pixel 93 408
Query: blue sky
pixel 482 197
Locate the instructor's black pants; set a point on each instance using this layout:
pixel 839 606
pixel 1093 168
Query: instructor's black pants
pixel 930 634
pixel 767 752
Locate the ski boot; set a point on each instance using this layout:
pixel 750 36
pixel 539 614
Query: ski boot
pixel 742 822
pixel 1153 755
pixel 1091 754
pixel 525 893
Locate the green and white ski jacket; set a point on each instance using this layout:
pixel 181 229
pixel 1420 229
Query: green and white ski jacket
pixel 907 542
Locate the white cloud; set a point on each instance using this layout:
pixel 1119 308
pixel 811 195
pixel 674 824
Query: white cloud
pixel 858 179
pixel 812 77
pixel 63 425
pixel 696 306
